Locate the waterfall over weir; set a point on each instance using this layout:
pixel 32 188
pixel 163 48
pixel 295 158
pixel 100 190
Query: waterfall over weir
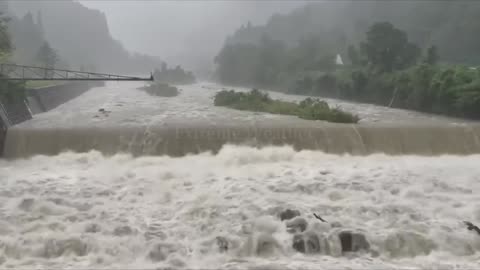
pixel 182 139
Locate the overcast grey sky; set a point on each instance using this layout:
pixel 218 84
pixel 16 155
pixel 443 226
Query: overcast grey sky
pixel 179 30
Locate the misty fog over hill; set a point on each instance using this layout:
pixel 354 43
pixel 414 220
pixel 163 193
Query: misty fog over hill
pixel 189 33
pixel 82 37
pixel 108 35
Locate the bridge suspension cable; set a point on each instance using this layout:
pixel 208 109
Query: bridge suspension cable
pixel 13 72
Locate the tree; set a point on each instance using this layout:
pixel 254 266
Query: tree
pixel 47 56
pixel 387 48
pixel 9 91
pixel 5 42
pixel 40 22
pixel 237 64
pixel 173 76
pixel 312 53
pixel 271 58
pixel 353 55
pixel 432 56
pixel 326 62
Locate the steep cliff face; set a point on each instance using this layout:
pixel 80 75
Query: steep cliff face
pixel 82 37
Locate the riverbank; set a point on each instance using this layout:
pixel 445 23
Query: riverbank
pixel 443 90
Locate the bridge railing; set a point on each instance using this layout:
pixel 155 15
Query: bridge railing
pixel 15 72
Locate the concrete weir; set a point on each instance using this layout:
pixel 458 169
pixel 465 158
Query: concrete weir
pixel 182 139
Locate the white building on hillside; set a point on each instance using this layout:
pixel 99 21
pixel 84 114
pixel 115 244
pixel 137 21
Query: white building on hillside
pixel 339 60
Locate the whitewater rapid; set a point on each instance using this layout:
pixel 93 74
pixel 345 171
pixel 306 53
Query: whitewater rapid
pixel 90 211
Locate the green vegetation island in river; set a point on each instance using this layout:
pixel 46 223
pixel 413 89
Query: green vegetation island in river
pixel 160 89
pixel 309 109
pixel 386 68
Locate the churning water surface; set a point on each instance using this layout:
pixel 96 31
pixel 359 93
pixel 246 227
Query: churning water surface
pixel 124 105
pixel 87 210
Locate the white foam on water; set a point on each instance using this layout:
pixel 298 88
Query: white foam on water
pixel 90 211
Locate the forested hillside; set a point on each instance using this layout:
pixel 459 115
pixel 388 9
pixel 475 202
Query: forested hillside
pixel 413 55
pixel 10 91
pixel 79 35
pixel 453 26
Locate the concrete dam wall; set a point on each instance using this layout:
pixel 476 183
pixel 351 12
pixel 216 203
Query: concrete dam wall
pixel 180 140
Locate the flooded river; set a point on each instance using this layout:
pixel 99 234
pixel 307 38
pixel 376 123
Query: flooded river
pixel 223 210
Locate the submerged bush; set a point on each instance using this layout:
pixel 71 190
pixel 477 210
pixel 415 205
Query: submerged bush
pixel 161 90
pixel 310 109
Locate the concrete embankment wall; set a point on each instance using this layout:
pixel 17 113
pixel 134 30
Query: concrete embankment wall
pixel 48 98
pixel 39 100
pixel 44 99
pixel 16 112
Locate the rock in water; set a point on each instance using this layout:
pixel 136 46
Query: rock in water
pixel 297 225
pixel 298 243
pixel 307 243
pixel 353 241
pixel 222 244
pixel 289 214
pixel 157 253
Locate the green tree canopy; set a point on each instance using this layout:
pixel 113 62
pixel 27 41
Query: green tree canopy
pixel 5 43
pixel 353 56
pixel 387 48
pixel 47 56
pixel 9 91
pixel 173 76
pixel 432 55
